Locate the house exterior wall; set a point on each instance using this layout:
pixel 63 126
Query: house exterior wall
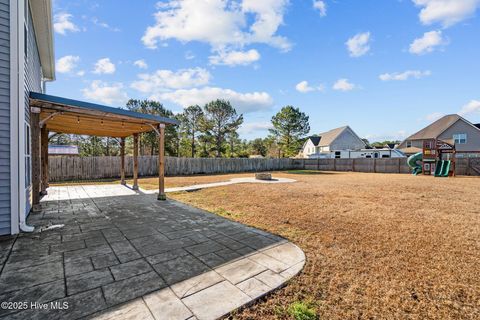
pixel 473 136
pixel 347 140
pixel 5 149
pixel 32 82
pixel 308 148
pixel 15 163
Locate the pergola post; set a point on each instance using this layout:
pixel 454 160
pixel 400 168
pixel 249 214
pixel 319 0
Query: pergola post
pixel 161 162
pixel 135 161
pixel 122 161
pixel 35 154
pixel 44 156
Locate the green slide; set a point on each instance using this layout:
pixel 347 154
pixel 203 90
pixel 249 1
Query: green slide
pixel 443 168
pixel 413 163
pixel 446 168
pixel 438 168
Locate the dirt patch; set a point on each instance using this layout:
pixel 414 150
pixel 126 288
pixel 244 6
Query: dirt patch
pixel 378 246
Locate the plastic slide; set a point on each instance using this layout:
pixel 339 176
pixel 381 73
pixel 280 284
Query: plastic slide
pixel 438 168
pixel 443 168
pixel 413 163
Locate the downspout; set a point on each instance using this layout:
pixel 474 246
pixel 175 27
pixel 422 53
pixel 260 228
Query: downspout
pixel 23 226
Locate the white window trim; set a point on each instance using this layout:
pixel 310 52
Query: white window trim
pixel 458 136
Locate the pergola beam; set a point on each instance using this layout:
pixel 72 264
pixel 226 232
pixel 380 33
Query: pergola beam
pixel 122 161
pixel 44 159
pixel 35 156
pixel 161 162
pixel 135 161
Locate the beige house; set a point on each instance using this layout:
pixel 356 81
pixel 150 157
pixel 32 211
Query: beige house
pixel 335 140
pixel 450 128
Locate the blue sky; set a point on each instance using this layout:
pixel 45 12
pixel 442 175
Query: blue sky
pixel 386 68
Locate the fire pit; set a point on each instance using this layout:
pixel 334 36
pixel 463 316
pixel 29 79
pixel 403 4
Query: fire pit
pixel 263 176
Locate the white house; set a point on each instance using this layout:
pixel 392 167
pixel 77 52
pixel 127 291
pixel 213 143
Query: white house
pixel 335 140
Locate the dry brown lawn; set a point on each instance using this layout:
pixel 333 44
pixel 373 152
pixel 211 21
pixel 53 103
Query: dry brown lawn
pixel 378 246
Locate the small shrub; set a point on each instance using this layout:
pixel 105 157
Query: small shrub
pixel 302 311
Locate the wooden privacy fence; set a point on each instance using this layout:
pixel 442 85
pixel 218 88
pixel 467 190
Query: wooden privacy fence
pixel 463 166
pixel 91 168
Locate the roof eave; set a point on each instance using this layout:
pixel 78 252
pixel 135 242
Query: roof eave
pixel 42 21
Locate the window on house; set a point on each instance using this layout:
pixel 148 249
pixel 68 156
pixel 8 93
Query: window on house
pixel 338 154
pixel 409 144
pixel 460 138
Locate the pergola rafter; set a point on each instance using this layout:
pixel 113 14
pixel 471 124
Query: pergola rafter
pixel 61 115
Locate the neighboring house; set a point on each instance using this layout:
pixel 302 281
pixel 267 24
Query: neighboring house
pixel 26 62
pixel 451 128
pixel 335 140
pixel 62 150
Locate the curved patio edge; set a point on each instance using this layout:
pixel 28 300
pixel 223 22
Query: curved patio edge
pixel 217 293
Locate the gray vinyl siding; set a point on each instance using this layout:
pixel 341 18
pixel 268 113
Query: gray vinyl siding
pixel 33 82
pixel 473 136
pixel 4 117
pixel 347 140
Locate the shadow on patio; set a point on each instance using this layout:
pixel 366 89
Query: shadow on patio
pixel 166 259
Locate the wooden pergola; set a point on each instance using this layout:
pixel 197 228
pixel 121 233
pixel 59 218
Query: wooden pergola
pixel 61 115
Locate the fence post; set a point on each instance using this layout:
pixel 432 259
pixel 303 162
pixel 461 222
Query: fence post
pixel 334 164
pixel 374 165
pixel 353 165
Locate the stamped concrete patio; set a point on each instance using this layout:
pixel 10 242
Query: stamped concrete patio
pixel 122 255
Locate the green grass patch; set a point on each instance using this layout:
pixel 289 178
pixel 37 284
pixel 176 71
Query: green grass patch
pixel 225 213
pixel 302 311
pixel 313 172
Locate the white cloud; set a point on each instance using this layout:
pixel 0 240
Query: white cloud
pixel 243 102
pixel 427 43
pixel 81 73
pixel 358 44
pixel 104 66
pixel 189 55
pixel 417 74
pixel 104 25
pixel 343 85
pixel 106 93
pixel 235 58
pixel 472 107
pixel 305 87
pixel 218 22
pixel 66 64
pixel 434 116
pixel 252 127
pixel 446 12
pixel 62 23
pixel 321 6
pixel 141 64
pixel 164 80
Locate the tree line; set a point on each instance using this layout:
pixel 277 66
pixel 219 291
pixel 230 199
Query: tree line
pixel 204 131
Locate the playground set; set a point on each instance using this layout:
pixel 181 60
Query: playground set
pixel 437 159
